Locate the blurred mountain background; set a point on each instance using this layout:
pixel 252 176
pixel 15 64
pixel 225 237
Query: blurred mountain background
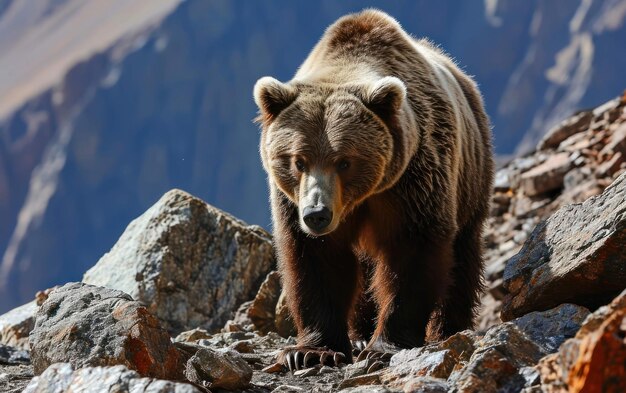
pixel 107 104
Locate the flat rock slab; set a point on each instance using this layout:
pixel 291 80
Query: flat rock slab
pixel 576 256
pixel 86 325
pixel 62 378
pixel 547 176
pixel 189 263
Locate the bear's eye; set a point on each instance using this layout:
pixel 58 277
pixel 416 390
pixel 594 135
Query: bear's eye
pixel 300 165
pixel 343 165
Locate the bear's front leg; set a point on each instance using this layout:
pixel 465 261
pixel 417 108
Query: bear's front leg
pixel 320 279
pixel 410 279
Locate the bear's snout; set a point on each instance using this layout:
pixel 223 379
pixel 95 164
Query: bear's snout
pixel 317 218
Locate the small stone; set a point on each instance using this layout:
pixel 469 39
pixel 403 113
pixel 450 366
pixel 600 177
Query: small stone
pixel 242 346
pixel 232 326
pixel 192 335
pixel 326 370
pixel 218 369
pixel 42 296
pixel 274 368
pixel 367 379
pixel 358 368
pixel 307 372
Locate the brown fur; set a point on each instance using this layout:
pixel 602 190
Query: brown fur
pixel 405 243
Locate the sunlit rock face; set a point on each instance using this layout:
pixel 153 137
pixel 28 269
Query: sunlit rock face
pixel 100 115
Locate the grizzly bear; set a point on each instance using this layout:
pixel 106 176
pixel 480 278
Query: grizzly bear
pixel 380 167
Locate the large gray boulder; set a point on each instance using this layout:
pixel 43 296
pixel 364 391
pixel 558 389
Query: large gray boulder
pixel 86 325
pixel 62 378
pixel 189 263
pixel 578 255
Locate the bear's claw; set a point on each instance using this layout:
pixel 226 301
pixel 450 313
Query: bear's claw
pixel 299 358
pixel 370 354
pixel 358 346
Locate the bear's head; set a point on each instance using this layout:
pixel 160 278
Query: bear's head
pixel 329 147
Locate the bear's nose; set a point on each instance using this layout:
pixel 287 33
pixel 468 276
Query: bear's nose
pixel 317 217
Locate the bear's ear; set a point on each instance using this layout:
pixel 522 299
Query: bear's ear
pixel 385 97
pixel 272 96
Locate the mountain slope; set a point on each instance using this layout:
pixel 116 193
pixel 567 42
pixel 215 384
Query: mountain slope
pixel 155 98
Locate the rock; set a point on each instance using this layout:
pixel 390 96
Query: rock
pixel 576 256
pixel 435 360
pixel 306 372
pixel 547 176
pixel 262 311
pixel 242 346
pixel 283 322
pixel 617 144
pixel 612 166
pixel 496 363
pixel 86 325
pixel 358 368
pixel 366 389
pixel 361 380
pixel 218 369
pixel 426 385
pixel 592 361
pixel 14 378
pixel 192 335
pixel 565 129
pixel 601 363
pixel 288 389
pixel 241 318
pixel 189 263
pixel 62 378
pixel 12 356
pixel 549 329
pixel 17 324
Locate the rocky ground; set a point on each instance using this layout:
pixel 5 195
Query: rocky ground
pixel 188 301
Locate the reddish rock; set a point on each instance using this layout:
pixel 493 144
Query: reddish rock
pixel 601 363
pixel 262 311
pixel 86 325
pixel 284 323
pixel 594 360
